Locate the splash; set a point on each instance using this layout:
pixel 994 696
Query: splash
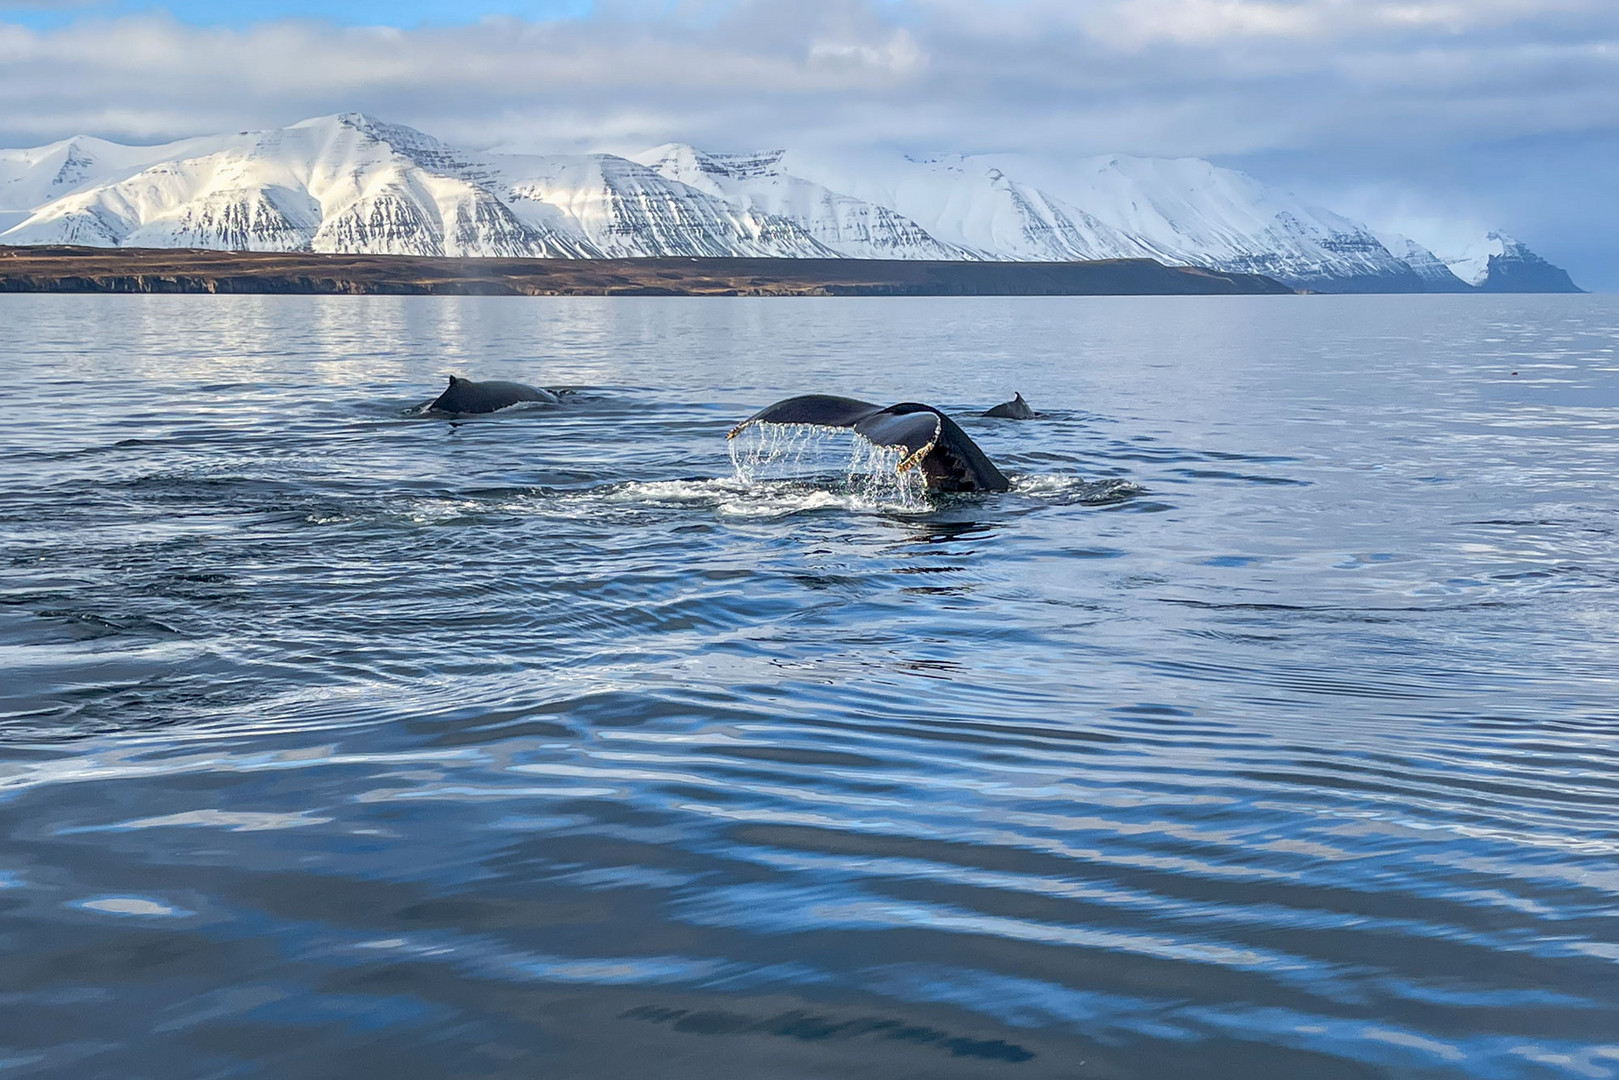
pixel 762 452
pixel 874 477
pixel 871 477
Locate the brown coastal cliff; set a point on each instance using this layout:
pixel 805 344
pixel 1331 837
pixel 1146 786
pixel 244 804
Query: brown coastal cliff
pixel 162 270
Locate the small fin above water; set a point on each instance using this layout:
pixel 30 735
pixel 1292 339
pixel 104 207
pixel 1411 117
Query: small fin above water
pixel 1016 409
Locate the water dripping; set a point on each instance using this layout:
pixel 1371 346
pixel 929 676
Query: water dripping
pixel 870 473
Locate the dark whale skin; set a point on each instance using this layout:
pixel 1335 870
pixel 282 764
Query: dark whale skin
pixel 948 458
pixel 463 397
pixel 1016 409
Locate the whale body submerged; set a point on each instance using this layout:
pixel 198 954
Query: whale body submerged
pixel 949 460
pixel 465 397
pixel 1016 409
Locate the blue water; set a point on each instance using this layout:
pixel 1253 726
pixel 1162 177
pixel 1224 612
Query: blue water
pixel 1267 727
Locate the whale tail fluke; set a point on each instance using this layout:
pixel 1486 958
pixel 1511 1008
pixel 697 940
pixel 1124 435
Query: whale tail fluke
pixel 821 410
pixel 929 439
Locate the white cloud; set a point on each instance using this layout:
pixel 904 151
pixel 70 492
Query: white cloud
pixel 1192 76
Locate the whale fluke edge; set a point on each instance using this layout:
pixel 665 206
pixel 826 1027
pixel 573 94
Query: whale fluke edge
pixel 464 396
pixel 949 460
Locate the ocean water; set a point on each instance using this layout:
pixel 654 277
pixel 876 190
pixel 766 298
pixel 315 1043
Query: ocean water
pixel 1266 728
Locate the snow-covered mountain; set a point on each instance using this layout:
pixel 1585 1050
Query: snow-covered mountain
pixel 350 183
pixel 846 226
pixel 1436 275
pixel 1186 210
pixel 1182 211
pixel 623 209
pixel 341 183
pixel 974 205
pixel 33 178
pixel 1498 263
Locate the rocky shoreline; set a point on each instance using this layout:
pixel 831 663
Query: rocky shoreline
pixel 162 270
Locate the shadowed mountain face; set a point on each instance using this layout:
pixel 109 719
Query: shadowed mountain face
pixel 351 184
pixel 1519 270
pixel 1499 264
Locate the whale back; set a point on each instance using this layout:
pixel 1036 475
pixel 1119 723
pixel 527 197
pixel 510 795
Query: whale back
pixel 1016 409
pixel 464 396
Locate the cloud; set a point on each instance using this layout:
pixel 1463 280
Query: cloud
pixel 1378 94
pixel 1220 77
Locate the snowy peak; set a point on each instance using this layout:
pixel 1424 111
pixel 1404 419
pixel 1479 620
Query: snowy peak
pixel 1189 211
pixel 1498 263
pixel 73 163
pixel 417 147
pixel 30 178
pixel 690 165
pixel 972 204
pixel 1436 276
pixel 766 163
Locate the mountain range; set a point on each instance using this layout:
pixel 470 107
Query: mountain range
pixel 352 184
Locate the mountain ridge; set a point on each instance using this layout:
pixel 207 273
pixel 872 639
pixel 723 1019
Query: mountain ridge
pixel 354 184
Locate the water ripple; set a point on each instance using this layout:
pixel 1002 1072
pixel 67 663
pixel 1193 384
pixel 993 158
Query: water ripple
pixel 1265 727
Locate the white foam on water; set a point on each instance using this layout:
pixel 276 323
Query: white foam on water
pixel 674 492
pixel 131 905
pixel 729 496
pixel 439 510
pixel 1061 487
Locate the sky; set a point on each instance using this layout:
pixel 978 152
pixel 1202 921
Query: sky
pixel 1439 118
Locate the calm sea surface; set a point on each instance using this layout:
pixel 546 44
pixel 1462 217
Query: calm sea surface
pixel 1269 727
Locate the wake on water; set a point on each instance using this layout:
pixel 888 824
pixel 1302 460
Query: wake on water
pixel 866 476
pixel 780 470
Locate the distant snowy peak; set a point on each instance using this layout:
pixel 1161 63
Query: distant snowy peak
pixel 69 165
pixel 692 166
pixel 1471 263
pixel 1437 276
pixel 1498 263
pixel 1190 211
pixel 973 205
pixel 29 178
pixel 1181 211
pixel 353 183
